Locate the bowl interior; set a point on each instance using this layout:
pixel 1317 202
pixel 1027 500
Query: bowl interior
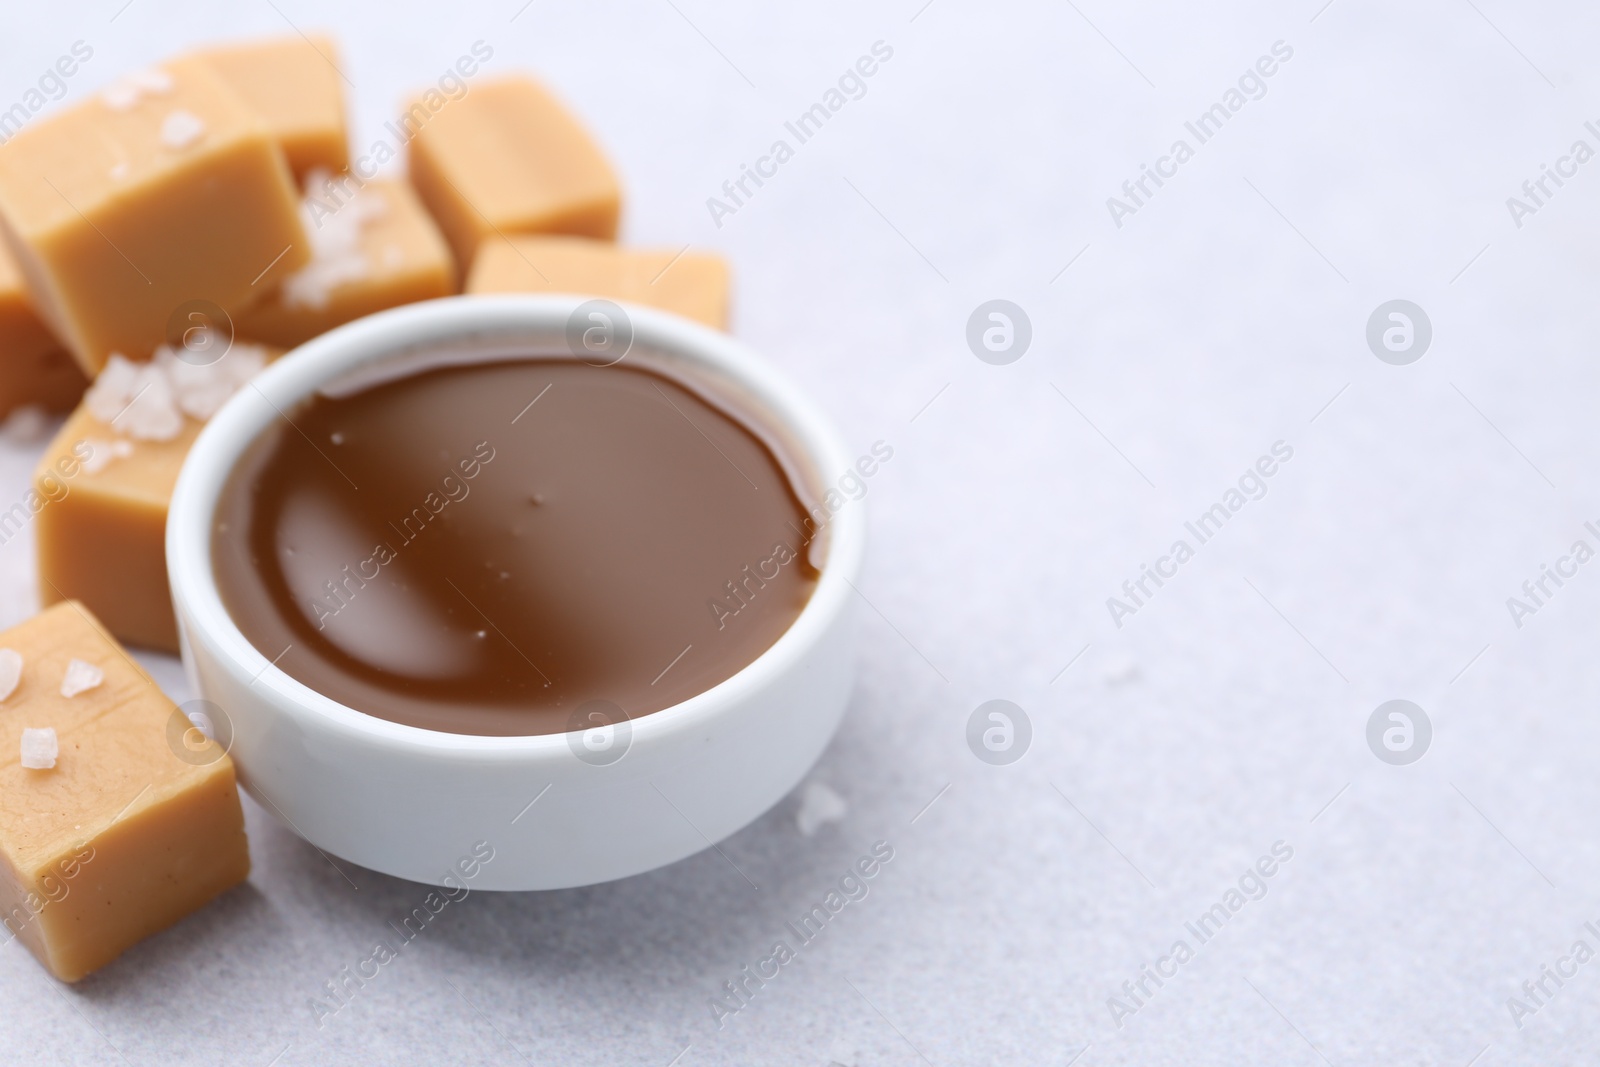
pixel 475 329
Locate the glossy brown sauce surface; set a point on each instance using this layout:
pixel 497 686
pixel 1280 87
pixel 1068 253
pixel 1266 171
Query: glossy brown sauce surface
pixel 483 548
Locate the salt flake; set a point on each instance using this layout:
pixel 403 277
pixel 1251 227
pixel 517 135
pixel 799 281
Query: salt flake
pixel 136 400
pixel 200 389
pixel 335 226
pixel 39 748
pixel 112 388
pixel 819 806
pixel 181 129
pixel 80 678
pixel 125 93
pixel 101 453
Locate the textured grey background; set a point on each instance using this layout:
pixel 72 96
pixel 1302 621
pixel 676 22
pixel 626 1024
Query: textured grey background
pixel 1228 714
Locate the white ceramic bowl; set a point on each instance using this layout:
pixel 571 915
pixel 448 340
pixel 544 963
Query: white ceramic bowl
pixel 412 802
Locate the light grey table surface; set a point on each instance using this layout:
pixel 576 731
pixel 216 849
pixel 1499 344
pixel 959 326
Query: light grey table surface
pixel 1227 312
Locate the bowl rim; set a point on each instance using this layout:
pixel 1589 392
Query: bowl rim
pixel 299 373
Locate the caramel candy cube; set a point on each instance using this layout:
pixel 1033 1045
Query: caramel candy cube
pixel 34 368
pixel 295 85
pixel 101 530
pixel 135 826
pixel 508 158
pixel 694 285
pixel 164 190
pixel 374 246
pixel 102 539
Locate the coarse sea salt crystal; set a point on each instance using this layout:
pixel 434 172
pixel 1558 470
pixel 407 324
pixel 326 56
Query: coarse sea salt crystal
pixel 200 389
pixel 121 97
pixel 819 805
pixel 125 93
pixel 135 399
pixel 112 388
pixel 101 453
pixel 10 671
pixel 148 401
pixel 152 414
pixel 334 219
pixel 39 748
pixel 181 129
pixel 80 678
